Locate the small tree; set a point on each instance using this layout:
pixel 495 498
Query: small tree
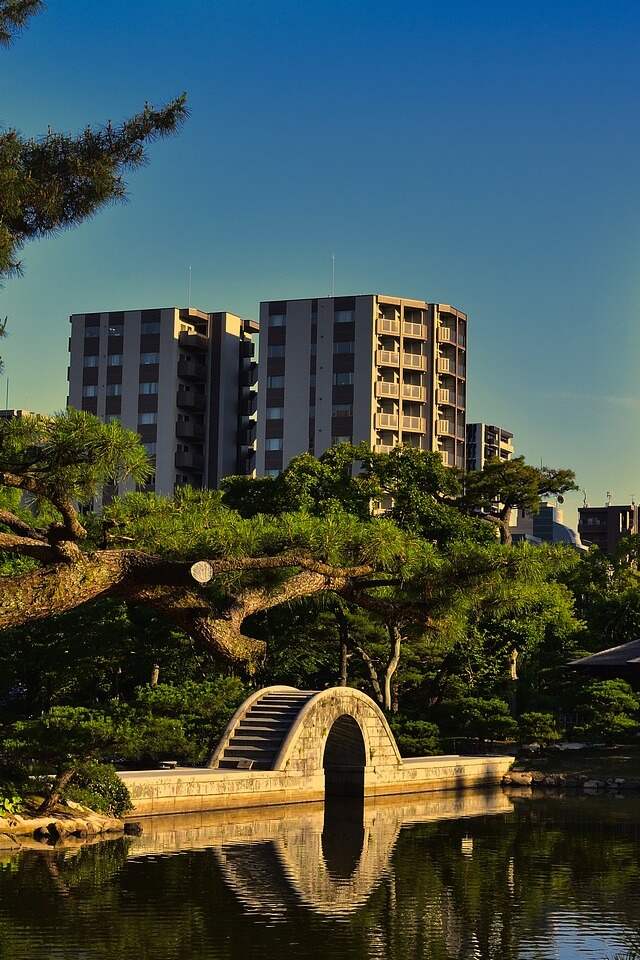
pixel 608 708
pixel 538 728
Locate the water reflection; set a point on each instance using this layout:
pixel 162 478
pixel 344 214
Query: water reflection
pixel 435 877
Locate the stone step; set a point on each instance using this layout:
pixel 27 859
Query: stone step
pixel 261 726
pixel 255 740
pixel 249 752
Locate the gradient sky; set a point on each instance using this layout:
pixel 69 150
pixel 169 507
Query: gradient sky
pixel 482 154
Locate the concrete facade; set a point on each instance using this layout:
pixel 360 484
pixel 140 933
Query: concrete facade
pixel 385 370
pixel 485 441
pixel 605 526
pixel 181 378
pixel 299 770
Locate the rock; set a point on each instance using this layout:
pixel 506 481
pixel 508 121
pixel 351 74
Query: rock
pixel 593 784
pixel 8 842
pixel 133 829
pixel 519 778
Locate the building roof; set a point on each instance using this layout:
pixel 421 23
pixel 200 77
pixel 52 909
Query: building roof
pixel 626 655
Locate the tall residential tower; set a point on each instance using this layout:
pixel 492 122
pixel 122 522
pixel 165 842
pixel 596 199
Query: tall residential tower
pixel 183 379
pixel 386 370
pixel 485 442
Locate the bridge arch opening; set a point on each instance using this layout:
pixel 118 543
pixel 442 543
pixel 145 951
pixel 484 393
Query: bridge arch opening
pixel 344 759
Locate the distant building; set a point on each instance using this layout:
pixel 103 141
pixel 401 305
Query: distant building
pixel 381 369
pixel 605 526
pixel 485 441
pixel 181 378
pixel 545 526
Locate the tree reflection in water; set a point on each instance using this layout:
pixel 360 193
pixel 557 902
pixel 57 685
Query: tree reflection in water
pixel 401 881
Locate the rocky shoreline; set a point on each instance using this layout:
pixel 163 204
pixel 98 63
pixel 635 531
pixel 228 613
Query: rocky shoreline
pixel 591 784
pixel 67 822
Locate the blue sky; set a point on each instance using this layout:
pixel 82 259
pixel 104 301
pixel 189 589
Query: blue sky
pixel 485 155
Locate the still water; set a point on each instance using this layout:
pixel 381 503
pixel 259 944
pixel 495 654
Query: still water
pixel 477 875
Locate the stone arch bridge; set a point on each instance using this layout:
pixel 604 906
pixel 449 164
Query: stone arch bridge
pixel 285 745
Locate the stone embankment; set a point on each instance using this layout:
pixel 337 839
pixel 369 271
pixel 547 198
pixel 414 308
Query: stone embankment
pixel 537 778
pixel 68 821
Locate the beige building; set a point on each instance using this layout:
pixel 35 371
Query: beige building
pixel 183 379
pixel 485 442
pixel 387 370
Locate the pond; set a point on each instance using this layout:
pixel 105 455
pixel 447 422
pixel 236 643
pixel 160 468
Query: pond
pixel 474 875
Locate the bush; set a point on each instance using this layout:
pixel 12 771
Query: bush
pixel 606 707
pixel 98 786
pixel 477 718
pixel 538 728
pixel 416 738
pixel 10 799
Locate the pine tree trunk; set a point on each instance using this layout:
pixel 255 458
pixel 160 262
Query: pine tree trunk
pixel 60 783
pixel 396 644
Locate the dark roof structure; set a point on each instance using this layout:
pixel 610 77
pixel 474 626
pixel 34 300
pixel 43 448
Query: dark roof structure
pixel 626 656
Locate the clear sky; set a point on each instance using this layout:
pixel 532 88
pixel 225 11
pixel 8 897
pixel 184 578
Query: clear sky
pixel 482 154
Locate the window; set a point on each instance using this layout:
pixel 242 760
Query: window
pixel 147 388
pixel 92 331
pixel 92 361
pixel 112 418
pixel 114 360
pixel 150 448
pixel 344 347
pixel 272 473
pixel 273 443
pixel 275 350
pixel 278 320
pixel 342 410
pixel 149 358
pixel 342 379
pixel 147 418
pixel 275 413
pixel 150 326
pixel 275 382
pixel 336 440
pixel 90 390
pixel 343 316
pixel 114 389
pixel 115 331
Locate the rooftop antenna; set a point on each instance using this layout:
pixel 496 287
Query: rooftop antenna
pixel 608 498
pixel 189 286
pixel 585 502
pixel 333 274
pixel 7 400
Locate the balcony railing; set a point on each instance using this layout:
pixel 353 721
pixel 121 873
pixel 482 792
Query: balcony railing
pixel 387 421
pixel 190 400
pixel 446 396
pixel 387 388
pixel 445 428
pixel 387 358
pixel 418 330
pixel 412 391
pixel 189 430
pixel 385 325
pixel 447 458
pixel 193 341
pixel 416 424
pixel 445 365
pixel 414 360
pixel 189 461
pixel 192 370
pixel 446 335
pixel 383 447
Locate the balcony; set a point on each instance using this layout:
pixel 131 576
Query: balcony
pixel 412 391
pixel 247 434
pixel 445 428
pixel 383 448
pixel 384 325
pixel 414 424
pixel 249 405
pixel 387 388
pixel 446 396
pixel 192 370
pixel 387 358
pixel 192 341
pixel 445 365
pixel 387 421
pixel 190 430
pixel 414 360
pixel 189 461
pixel 190 400
pixel 247 349
pixel 446 335
pixel 418 330
pixel 447 458
pixel 249 377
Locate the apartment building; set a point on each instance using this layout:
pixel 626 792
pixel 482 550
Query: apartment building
pixel 605 526
pixel 485 442
pixel 381 369
pixel 185 380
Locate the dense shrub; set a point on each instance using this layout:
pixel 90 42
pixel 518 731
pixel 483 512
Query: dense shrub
pixel 475 717
pixel 416 738
pixel 538 728
pixel 607 709
pixel 98 786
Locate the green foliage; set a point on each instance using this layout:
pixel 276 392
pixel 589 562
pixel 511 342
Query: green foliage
pixel 537 728
pixel 607 708
pixel 98 786
pixel 514 483
pixel 487 719
pixel 10 799
pixel 416 738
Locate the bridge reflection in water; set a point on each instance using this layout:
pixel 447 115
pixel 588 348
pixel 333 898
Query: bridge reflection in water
pixel 329 857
